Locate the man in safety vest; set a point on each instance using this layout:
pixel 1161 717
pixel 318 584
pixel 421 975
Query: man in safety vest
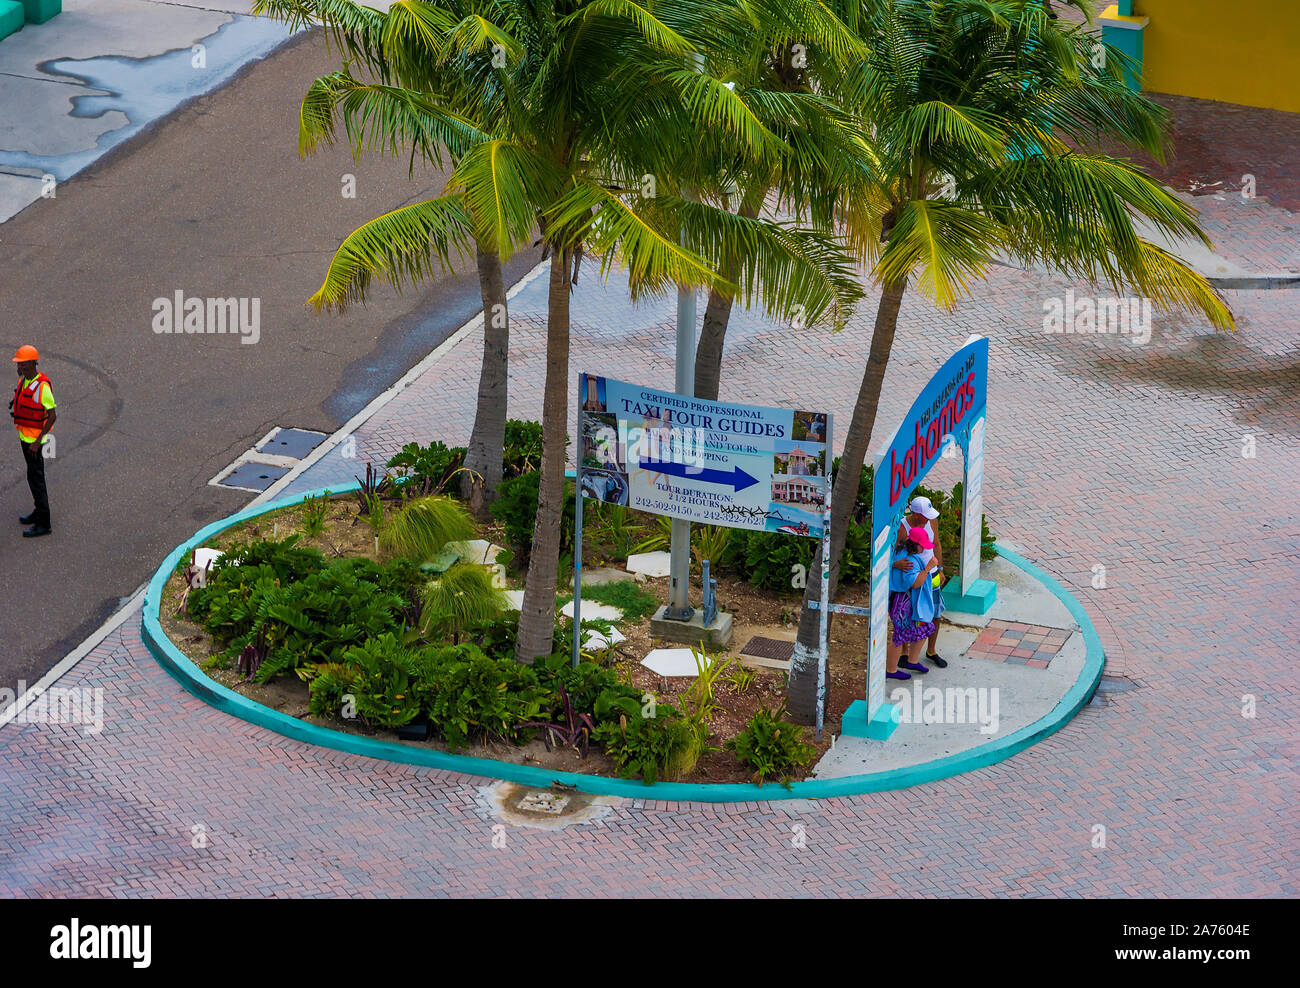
pixel 32 410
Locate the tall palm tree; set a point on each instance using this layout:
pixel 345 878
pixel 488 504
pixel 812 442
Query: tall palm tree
pixel 393 115
pixel 827 178
pixel 988 92
pixel 557 110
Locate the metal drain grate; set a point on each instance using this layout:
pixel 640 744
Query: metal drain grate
pixel 253 476
pixel 294 443
pixel 773 653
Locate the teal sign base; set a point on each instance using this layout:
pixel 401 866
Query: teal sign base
pixel 981 597
pixel 854 723
pixel 1123 31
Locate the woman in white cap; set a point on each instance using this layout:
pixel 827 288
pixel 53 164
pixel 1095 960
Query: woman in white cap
pixel 923 514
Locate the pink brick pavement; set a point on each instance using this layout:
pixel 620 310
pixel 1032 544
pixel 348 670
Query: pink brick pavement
pixel 1099 452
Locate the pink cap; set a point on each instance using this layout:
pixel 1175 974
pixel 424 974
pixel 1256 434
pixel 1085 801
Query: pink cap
pixel 921 537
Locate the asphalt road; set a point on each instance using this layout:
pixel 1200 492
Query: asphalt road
pixel 212 201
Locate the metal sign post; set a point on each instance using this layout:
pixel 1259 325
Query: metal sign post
pixel 577 542
pixel 823 650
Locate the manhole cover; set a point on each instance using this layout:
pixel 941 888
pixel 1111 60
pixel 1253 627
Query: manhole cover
pixel 253 476
pixel 545 809
pixel 295 443
pixel 544 802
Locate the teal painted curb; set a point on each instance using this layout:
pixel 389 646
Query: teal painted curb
pixel 196 682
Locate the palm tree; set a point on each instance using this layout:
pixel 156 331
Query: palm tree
pixel 828 176
pixel 556 110
pixel 392 115
pixel 986 93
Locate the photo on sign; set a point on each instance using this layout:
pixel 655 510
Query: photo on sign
pixel 600 447
pixel 592 398
pixel 605 485
pixel 794 459
pixel 810 426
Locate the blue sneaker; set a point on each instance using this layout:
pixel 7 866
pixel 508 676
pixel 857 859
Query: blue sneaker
pixel 914 666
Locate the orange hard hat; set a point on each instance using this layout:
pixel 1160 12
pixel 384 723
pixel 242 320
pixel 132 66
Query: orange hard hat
pixel 26 352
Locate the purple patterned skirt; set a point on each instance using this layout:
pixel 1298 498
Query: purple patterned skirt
pixel 906 630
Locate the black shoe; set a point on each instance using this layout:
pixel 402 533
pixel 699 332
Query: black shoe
pixel 36 531
pixel 937 662
pixel 27 519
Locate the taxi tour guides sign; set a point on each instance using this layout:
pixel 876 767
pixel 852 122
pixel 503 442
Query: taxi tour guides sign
pixel 710 462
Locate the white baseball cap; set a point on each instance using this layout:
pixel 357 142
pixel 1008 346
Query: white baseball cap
pixel 922 506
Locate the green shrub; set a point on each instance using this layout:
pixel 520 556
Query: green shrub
pixel 318 618
pixel 314 510
pixel 772 746
pixel 428 468
pixel 235 573
pixel 651 747
pixel 496 636
pixel 592 689
pixel 383 682
pixel 769 559
pixel 522 450
pixel 466 694
pixel 329 684
pixel 855 561
pixel 516 508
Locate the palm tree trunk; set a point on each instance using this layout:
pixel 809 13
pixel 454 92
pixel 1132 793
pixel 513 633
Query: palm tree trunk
pixel 802 694
pixel 483 458
pixel 717 314
pixel 537 614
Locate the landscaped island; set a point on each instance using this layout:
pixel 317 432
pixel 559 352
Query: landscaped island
pixel 387 610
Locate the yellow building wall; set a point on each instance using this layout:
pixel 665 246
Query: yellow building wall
pixel 1236 51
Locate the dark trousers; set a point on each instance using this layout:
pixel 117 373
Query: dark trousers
pixel 36 481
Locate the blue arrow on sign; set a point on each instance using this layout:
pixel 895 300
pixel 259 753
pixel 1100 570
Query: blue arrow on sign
pixel 736 477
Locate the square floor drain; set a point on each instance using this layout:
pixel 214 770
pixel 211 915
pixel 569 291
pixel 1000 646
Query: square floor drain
pixel 295 443
pixel 253 476
pixel 544 802
pixel 773 652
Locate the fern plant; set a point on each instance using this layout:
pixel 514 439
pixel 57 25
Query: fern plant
pixel 772 746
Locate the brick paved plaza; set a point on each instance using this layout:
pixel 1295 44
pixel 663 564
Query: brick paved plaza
pixel 1100 453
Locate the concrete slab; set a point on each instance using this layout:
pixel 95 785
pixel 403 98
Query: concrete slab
pixel 597 640
pixel 590 609
pixel 478 551
pixel 988 700
pixel 672 662
pixel 714 636
pixel 600 575
pixel 973 701
pixel 652 564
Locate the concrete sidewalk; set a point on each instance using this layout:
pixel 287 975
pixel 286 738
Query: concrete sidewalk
pixel 81 84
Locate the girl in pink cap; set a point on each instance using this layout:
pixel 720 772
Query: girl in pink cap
pixel 911 604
